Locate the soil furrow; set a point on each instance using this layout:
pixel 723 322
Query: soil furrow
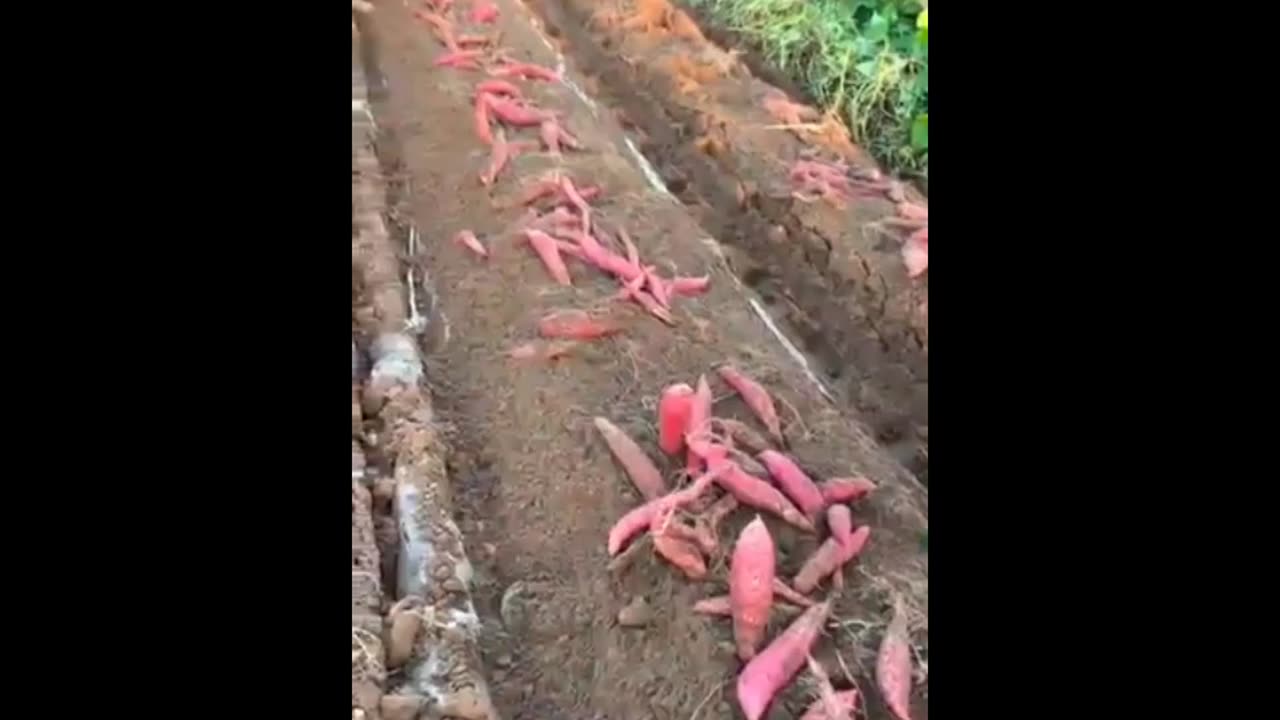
pixel 840 285
pixel 536 491
pixel 415 647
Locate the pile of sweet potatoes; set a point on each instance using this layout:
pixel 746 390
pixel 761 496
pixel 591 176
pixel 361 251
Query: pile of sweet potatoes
pixel 683 526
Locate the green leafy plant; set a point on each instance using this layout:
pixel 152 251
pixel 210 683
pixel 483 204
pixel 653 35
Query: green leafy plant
pixel 868 59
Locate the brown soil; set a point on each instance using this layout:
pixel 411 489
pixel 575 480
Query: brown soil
pixel 530 484
pixel 840 286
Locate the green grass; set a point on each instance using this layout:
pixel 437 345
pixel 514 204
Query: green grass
pixel 869 59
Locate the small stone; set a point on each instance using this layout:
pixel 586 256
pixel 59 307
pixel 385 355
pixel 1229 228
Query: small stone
pixel 404 630
pixel 401 707
pixel 637 613
pixel 503 660
pixel 365 694
pixel 467 704
pixel 453 584
pixel 724 708
pixel 384 490
pixel 442 572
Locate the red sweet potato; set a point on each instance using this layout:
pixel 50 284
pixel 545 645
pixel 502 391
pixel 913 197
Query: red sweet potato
pixel 828 701
pixel 846 699
pixel 893 664
pixel 756 398
pixel 794 482
pixel 722 605
pixel 549 253
pixel 575 325
pixel 774 667
pixel 676 547
pixel 757 493
pixel 846 489
pixel 637 520
pixel 690 285
pixel 840 523
pixel 648 480
pixel 829 558
pixel 673 417
pixel 915 252
pixel 718 605
pixel 751 575
pixel 784 591
pixel 699 417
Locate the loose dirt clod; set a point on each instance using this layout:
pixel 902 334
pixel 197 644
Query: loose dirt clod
pixel 637 613
pixel 401 636
pixel 401 707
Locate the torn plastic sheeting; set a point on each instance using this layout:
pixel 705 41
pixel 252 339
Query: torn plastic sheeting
pixel 416 552
pixel 395 357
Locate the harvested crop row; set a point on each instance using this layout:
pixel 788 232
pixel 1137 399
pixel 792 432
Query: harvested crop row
pixel 728 146
pixel 538 486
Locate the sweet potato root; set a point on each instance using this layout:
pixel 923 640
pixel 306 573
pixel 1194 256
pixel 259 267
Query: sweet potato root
pixel 794 482
pixel 829 558
pixel 757 493
pixel 756 398
pixel 639 519
pixel 774 667
pixel 575 325
pixel 699 415
pixel 549 253
pixel 830 705
pixel 643 473
pixel 673 417
pixel 840 523
pixel 846 489
pixel 893 664
pixel 846 699
pixel 751 575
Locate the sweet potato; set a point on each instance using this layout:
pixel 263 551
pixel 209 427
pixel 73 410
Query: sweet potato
pixel 893 664
pixel 840 523
pixel 722 605
pixel 774 667
pixel 794 482
pixel 846 489
pixel 468 239
pixel 673 417
pixel 756 398
pixel 690 285
pixel 915 253
pixel 676 547
pixel 784 591
pixel 743 435
pixel 757 493
pixel 718 605
pixel 829 558
pixel 637 520
pixel 549 253
pixel 575 325
pixel 699 416
pixel 828 701
pixel 847 700
pixel 643 473
pixel 751 574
